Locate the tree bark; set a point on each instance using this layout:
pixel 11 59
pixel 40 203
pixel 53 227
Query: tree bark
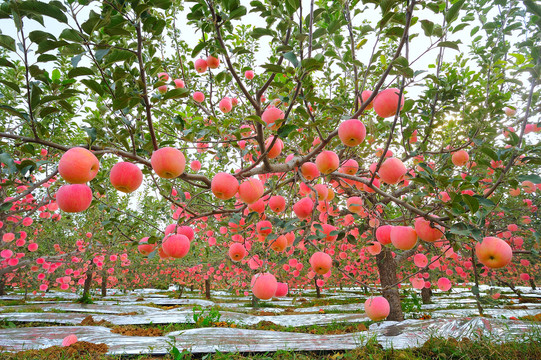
pixel 180 291
pixel 532 283
pixel 318 290
pixel 104 284
pixel 88 282
pixel 255 301
pixel 207 288
pixel 2 286
pixel 426 295
pixel 476 278
pixel 387 274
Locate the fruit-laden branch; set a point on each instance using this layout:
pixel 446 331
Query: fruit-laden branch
pixel 34 186
pixel 30 261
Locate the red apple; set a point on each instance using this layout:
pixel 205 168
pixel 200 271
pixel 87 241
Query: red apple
pixel 327 162
pixel 237 252
pixel 460 158
pixel 383 234
pixel 403 237
pixel 364 96
pixel 320 262
pixel 74 198
pixel 276 149
pixel 277 203
pixel 126 177
pixel 264 286
pixel 281 290
pixel 303 208
pixel 377 308
pixel 251 190
pixel 493 252
pixel 198 96
pixel 200 65
pixel 426 232
pixel 213 62
pixel 272 117
pixel 78 166
pixel 351 132
pixel 168 162
pixel 176 246
pixel 386 102
pixel 309 171
pixel 392 171
pixel 224 186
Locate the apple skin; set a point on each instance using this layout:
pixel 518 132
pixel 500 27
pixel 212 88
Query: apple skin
pixel 281 290
pixel 427 232
pixel 272 117
pixel 386 102
pixel 264 227
pixel 249 74
pixel 251 190
pixel 364 96
pixel 213 62
pixel 200 65
pixel 225 105
pixel 392 171
pixel 309 170
pixel 277 203
pixel 126 177
pixel 460 158
pixel 168 162
pixel 224 186
pixel 320 262
pixel 493 252
pixel 403 237
pixel 352 132
pixel 176 246
pixel 276 149
pixel 264 286
pixel 279 244
pixel 327 162
pixel 303 208
pixel 74 198
pixel 377 308
pixel 349 167
pixel 354 204
pixel 198 96
pixel 163 76
pixel 78 166
pixel 144 247
pixel 179 84
pixel 237 252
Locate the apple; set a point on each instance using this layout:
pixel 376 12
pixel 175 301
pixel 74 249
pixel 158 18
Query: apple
pixel 272 116
pixel 195 165
pixel 354 204
pixel 251 190
pixel 225 105
pixel 237 252
pixel 213 62
pixel 322 191
pixel 200 65
pixel 281 290
pixel 264 286
pixel 144 247
pixel 198 96
pixel 179 84
pixel 126 177
pixel 509 112
pixel 349 167
pixel 374 248
pixel 444 284
pixel 224 186
pixel 249 74
pixel 364 96
pixel 277 203
pixel 303 208
pixel 327 162
pixel 162 89
pixel 460 158
pixel 427 232
pixel 377 308
pixel 493 252
pixel 168 162
pixel 309 170
pixel 69 340
pixel 392 171
pixel 420 260
pixel 264 227
pixel 279 244
pixel 163 76
pixel 403 237
pixel 352 132
pixel 276 149
pixel 74 198
pixel 186 231
pixel 320 263
pixel 386 102
pixel 176 246
pixel 78 166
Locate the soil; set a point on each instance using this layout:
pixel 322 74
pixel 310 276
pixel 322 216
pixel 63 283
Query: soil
pixel 532 317
pixel 76 350
pixel 89 321
pixel 137 331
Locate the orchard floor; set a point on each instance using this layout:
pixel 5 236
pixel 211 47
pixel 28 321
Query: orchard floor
pixel 156 322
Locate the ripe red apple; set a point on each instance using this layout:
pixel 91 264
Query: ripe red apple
pixel 427 232
pixel 460 158
pixel 251 190
pixel 493 252
pixel 309 171
pixel 281 290
pixel 264 286
pixel 444 284
pixel 349 167
pixel 377 308
pixel 249 74
pixel 276 149
pixel 364 96
pixel 74 198
pixel 264 227
pixel 144 247
pixel 386 102
pixel 403 237
pixel 224 186
pixel 352 132
pixel 327 162
pixel 225 105
pixel 213 62
pixel 78 166
pixel 168 162
pixel 237 252
pixel 279 244
pixel 277 203
pixel 272 117
pixel 320 262
pixel 322 191
pixel 198 96
pixel 354 204
pixel 392 171
pixel 383 234
pixel 179 84
pixel 200 65
pixel 163 76
pixel 126 177
pixel 176 246
pixel 303 208
pixel 186 231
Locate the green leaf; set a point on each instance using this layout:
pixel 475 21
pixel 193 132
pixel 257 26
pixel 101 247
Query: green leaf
pixel 5 62
pixel 285 130
pixel 273 68
pixel 197 49
pixel 449 44
pixel 40 8
pixel 292 58
pixel 71 35
pixel 14 111
pixel 452 13
pixel 7 42
pixel 237 13
pixel 91 132
pixel 311 64
pixel 176 93
pixel 536 179
pixel 259 32
pixel 428 27
pixel 80 71
pixel 472 202
pixel 475 290
pixel 94 86
pixel 6 159
pixel 11 85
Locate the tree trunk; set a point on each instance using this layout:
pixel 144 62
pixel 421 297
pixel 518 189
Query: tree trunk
pixel 88 282
pixel 476 278
pixel 104 284
pixel 318 290
pixel 180 291
pixel 255 301
pixel 191 288
pixel 207 288
pixel 387 274
pixel 2 285
pixel 532 283
pixel 426 294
